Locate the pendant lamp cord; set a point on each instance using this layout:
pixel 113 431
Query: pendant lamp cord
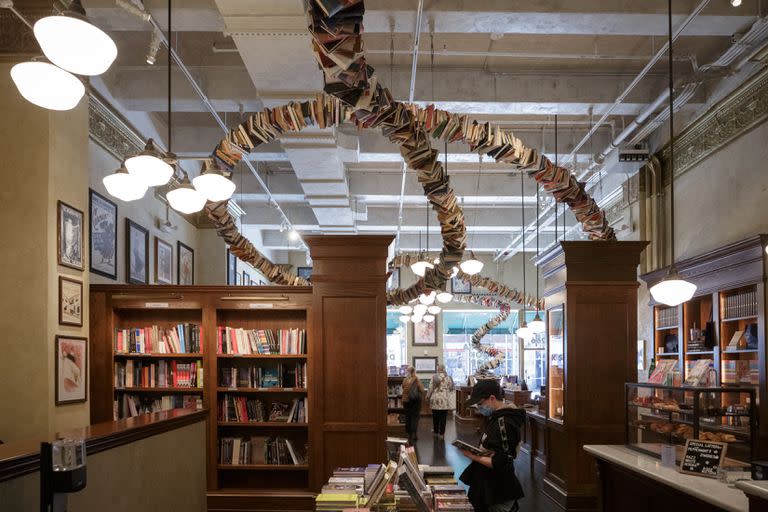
pixel 537 248
pixel 557 206
pixel 522 210
pixel 671 136
pixel 170 51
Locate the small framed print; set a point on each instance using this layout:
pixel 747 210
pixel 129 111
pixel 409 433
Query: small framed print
pixel 102 242
pixel 425 334
pixel 304 272
pixel 394 279
pixel 163 262
pixel 459 287
pixel 136 253
pixel 231 268
pixel 246 279
pixel 71 369
pixel 186 264
pixel 69 235
pixel 70 302
pixel 425 364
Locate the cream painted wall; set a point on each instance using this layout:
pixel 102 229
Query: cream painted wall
pixel 162 472
pixel 144 212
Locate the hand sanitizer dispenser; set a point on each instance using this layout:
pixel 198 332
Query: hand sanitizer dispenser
pixel 62 471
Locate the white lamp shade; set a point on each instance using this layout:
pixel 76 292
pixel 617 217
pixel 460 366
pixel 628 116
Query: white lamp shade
pixel 405 318
pixel 673 291
pixel 427 298
pixel 186 199
pixel 433 310
pixel 454 272
pixel 419 310
pixel 150 169
pixel 124 186
pixel 420 267
pixel 471 266
pixel 429 318
pixel 214 186
pixel 47 86
pixel 405 310
pixel 766 248
pixel 444 297
pixel 75 45
pixel 417 318
pixel 537 325
pixel 524 332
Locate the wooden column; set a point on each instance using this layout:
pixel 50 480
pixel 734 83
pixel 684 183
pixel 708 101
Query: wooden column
pixel 349 369
pixel 596 282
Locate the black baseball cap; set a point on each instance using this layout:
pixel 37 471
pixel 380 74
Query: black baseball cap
pixel 483 389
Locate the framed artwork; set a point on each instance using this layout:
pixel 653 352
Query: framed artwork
pixel 136 253
pixel 425 334
pixel 305 272
pixel 102 244
pixel 186 264
pixel 71 369
pixel 425 364
pixel 70 302
pixel 246 279
pixel 394 279
pixel 231 268
pixel 69 235
pixel 163 262
pixel 459 287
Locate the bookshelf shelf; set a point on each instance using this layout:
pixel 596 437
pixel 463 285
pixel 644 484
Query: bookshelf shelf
pixel 668 354
pixel 667 328
pixel 159 390
pixel 158 356
pixel 266 357
pixel 262 424
pixel 263 467
pixel 740 351
pixel 700 352
pixel 262 390
pixel 737 319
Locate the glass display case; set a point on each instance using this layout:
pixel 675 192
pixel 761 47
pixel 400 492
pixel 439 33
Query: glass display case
pixel 556 354
pixel 659 415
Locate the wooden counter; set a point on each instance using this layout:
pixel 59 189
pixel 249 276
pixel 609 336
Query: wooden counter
pixel 757 494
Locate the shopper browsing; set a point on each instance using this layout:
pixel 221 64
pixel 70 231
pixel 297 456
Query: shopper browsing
pixel 413 391
pixel 493 485
pixel 442 399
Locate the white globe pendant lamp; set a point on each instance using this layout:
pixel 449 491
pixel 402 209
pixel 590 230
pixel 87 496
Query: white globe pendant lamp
pixel 405 310
pixel 537 324
pixel 213 183
pixel 434 310
pixel 72 43
pixel 524 332
pixel 427 298
pixel 47 86
pixel 429 318
pixel 124 185
pixel 673 289
pixel 417 318
pixel 150 166
pixel 420 267
pixel 472 265
pixel 444 297
pixel 405 318
pixel 419 310
pixel 185 198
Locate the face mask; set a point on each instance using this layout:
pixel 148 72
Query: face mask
pixel 484 410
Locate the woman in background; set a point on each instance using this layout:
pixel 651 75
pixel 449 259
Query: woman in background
pixel 442 399
pixel 413 391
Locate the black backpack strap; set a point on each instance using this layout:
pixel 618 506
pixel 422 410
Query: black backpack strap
pixel 503 432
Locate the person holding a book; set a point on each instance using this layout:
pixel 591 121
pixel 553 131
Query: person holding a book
pixel 442 398
pixel 413 391
pixel 493 485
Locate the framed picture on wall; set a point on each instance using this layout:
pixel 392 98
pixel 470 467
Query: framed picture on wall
pixel 69 235
pixel 185 256
pixel 425 334
pixel 424 364
pixel 394 279
pixel 304 272
pixel 231 268
pixel 102 242
pixel 71 354
pixel 70 302
pixel 136 253
pixel 459 287
pixel 163 262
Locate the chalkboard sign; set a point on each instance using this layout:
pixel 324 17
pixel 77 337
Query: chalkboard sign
pixel 702 457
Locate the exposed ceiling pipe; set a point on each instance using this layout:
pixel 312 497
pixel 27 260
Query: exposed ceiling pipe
pixel 411 89
pixel 519 55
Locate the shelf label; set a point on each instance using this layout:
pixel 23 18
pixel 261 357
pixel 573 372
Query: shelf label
pixel 156 305
pixel 260 305
pixel 702 457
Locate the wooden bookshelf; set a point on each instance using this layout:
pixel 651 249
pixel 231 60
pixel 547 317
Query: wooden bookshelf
pixel 399 426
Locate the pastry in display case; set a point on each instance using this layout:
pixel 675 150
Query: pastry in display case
pixel 659 415
pixel 556 363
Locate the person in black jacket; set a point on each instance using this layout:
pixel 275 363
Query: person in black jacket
pixel 493 485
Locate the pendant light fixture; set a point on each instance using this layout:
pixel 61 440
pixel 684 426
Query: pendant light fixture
pixel 184 198
pixel 429 318
pixel 405 310
pixel 434 309
pixel 213 183
pixel 72 43
pixel 420 266
pixel 150 166
pixel 523 331
pixel 673 289
pixel 419 309
pixel 444 297
pixel 472 265
pixel 537 324
pixel 124 185
pixel 428 298
pixel 405 318
pixel 47 86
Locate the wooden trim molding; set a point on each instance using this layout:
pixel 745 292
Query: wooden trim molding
pixel 18 459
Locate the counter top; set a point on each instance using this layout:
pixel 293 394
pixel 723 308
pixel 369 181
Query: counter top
pixel 758 488
pixel 705 489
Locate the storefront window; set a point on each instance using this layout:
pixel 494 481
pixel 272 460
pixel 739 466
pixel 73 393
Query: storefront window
pixel 535 358
pixel 396 340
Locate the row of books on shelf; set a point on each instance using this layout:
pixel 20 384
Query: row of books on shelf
pixel 394 390
pixel 159 374
pixel 395 403
pixel 181 339
pixel 740 305
pixel 741 372
pixel 666 317
pixel 252 450
pixel 285 375
pixel 248 409
pixel 233 340
pixel 128 405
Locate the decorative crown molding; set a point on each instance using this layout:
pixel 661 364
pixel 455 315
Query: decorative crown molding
pixel 110 132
